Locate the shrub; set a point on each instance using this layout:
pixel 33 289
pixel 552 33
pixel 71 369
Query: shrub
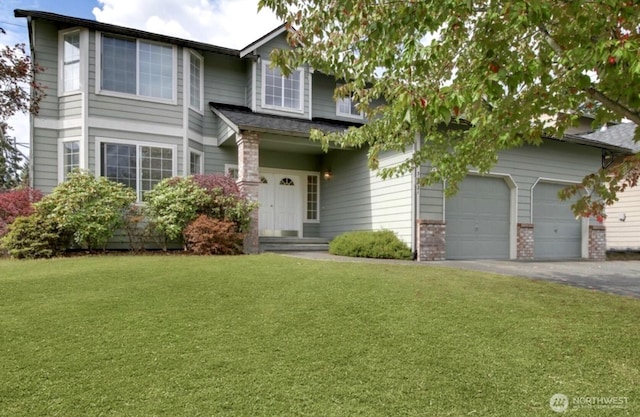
pixel 370 244
pixel 135 226
pixel 227 201
pixel 90 209
pixel 173 204
pixel 35 236
pixel 207 236
pixel 16 203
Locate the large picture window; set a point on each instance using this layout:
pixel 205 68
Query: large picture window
pixel 137 67
pixel 140 167
pixel 281 92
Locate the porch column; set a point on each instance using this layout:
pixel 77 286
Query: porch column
pixel 249 181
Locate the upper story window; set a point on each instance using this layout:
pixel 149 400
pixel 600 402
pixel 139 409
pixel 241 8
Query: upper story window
pixel 195 81
pixel 71 61
pixel 138 67
pixel 280 92
pixel 346 107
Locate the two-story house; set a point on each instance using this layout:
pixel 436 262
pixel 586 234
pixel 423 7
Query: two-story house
pixel 137 107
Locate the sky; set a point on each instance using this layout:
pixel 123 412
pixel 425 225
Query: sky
pixel 228 23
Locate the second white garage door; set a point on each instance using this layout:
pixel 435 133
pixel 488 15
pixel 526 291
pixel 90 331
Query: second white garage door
pixel 557 233
pixel 478 219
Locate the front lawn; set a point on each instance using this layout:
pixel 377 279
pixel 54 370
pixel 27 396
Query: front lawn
pixel 270 335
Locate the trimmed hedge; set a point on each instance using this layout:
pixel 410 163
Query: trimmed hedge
pixel 383 244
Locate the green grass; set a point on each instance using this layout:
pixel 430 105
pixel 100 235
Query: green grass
pixel 276 336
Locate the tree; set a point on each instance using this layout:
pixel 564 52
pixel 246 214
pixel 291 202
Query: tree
pixel 11 161
pixel 472 77
pixel 18 93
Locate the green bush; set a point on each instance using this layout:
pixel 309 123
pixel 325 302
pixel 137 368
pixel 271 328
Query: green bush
pixel 32 237
pixel 207 236
pixel 173 204
pixel 90 209
pixel 176 202
pixel 370 244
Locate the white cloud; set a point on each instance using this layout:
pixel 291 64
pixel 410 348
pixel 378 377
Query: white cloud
pixel 229 23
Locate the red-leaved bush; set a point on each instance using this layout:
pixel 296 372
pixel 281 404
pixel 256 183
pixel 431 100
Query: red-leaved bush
pixel 16 203
pixel 207 236
pixel 225 183
pixel 228 202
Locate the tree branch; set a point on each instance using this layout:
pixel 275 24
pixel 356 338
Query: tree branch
pixel 595 94
pixel 613 105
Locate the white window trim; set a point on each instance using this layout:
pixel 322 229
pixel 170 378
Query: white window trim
pixel 229 167
pixel 136 96
pixel 84 53
pixel 61 142
pixel 265 66
pixel 187 87
pixel 201 154
pixel 306 198
pixel 347 115
pixel 98 149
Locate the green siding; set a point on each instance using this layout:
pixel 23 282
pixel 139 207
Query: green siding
pixel 287 160
pixel 357 199
pixel 46 55
pixel 44 159
pixel 71 106
pixel 195 121
pixel 216 157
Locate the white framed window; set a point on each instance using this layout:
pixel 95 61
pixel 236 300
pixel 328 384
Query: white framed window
pixel 69 156
pixel 71 61
pixel 137 165
pixel 231 171
pixel 312 199
pixel 196 89
pixel 72 51
pixel 346 107
pixel 135 67
pixel 280 92
pixel 195 162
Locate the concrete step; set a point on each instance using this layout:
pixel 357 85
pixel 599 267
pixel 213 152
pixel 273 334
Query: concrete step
pixel 291 244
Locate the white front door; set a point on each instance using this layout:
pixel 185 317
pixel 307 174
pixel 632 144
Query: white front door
pixel 280 211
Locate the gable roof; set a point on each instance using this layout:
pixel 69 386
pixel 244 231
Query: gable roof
pixel 263 40
pixel 242 118
pixel 121 30
pixel 620 135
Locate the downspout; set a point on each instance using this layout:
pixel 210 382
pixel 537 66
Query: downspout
pixel 415 203
pixel 31 115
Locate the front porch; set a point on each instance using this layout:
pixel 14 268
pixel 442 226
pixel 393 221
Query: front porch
pixel 281 169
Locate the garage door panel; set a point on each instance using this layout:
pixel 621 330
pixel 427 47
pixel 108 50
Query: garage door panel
pixel 478 219
pixel 557 233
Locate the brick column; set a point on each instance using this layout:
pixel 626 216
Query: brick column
pixel 526 243
pixel 249 181
pixel 431 240
pixel 597 243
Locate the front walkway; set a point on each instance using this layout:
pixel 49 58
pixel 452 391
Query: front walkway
pixel 615 277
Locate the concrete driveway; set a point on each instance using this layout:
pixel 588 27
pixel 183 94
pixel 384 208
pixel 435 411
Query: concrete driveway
pixel 615 277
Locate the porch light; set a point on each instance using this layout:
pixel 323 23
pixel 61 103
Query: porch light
pixel 327 175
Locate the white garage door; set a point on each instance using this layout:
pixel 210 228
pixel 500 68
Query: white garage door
pixel 556 232
pixel 478 219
